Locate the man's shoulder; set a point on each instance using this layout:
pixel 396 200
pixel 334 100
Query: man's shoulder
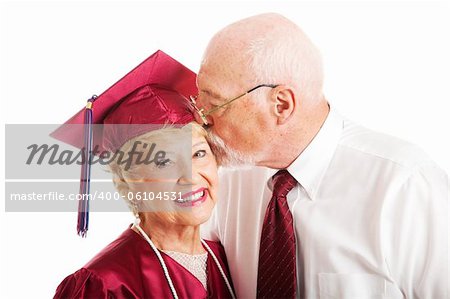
pixel 377 146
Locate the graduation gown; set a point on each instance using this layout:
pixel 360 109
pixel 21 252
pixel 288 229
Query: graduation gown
pixel 128 268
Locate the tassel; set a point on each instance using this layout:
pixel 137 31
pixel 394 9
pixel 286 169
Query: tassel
pixel 83 204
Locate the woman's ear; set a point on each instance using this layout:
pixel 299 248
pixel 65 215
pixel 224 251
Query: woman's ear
pixel 284 102
pixel 119 180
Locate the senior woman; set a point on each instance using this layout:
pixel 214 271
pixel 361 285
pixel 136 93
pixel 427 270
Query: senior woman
pixel 162 254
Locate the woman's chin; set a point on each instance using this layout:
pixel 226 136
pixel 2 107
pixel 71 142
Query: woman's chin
pixel 199 214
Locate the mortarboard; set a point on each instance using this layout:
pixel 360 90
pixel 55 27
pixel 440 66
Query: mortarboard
pixel 154 92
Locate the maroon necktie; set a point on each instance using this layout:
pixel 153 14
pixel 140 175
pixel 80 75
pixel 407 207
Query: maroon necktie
pixel 277 275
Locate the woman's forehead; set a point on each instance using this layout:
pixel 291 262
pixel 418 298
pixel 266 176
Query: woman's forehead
pixel 178 138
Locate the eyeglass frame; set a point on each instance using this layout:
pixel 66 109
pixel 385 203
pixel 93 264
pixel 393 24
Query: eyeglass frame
pixel 203 115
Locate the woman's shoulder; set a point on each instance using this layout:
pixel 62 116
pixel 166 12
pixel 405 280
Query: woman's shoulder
pixel 114 268
pixel 216 247
pixel 214 244
pixel 120 251
pixel 82 284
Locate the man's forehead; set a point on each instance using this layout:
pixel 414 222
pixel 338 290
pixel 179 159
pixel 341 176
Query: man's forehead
pixel 221 66
pixel 209 93
pixel 220 84
pixel 215 71
pixel 211 85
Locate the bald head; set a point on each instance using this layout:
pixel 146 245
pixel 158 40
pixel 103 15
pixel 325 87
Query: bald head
pixel 272 52
pixel 266 48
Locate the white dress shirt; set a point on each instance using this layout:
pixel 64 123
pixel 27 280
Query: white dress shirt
pixel 370 215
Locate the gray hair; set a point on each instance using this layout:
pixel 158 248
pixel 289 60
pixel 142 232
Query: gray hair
pixel 276 51
pixel 289 58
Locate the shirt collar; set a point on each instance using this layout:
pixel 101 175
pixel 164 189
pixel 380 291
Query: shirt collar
pixel 310 166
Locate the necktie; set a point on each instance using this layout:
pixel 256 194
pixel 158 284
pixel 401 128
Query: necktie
pixel 277 277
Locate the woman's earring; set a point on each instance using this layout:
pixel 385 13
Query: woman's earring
pixel 137 220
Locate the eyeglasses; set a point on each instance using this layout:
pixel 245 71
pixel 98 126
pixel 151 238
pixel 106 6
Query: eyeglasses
pixel 204 114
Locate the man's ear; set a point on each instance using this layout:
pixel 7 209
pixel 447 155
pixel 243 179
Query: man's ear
pixel 284 102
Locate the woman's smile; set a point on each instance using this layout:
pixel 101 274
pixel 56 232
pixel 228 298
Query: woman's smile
pixel 193 198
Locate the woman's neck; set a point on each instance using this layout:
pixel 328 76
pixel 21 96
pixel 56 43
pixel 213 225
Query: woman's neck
pixel 172 237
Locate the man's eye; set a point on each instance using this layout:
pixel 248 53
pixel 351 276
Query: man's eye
pixel 210 104
pixel 163 163
pixel 200 154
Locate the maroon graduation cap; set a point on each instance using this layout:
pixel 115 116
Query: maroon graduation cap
pixel 154 92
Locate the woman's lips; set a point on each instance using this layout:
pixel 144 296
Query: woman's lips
pixel 193 198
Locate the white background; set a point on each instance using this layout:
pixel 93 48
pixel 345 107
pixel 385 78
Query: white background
pixel 386 63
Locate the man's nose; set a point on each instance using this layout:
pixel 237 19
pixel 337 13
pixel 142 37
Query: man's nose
pixel 198 118
pixel 201 112
pixel 210 121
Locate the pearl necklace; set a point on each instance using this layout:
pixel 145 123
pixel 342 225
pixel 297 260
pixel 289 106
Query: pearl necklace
pixel 164 267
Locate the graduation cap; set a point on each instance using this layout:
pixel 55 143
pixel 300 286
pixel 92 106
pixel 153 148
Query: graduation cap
pixel 154 92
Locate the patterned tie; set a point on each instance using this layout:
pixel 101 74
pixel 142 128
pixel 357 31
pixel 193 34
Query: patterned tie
pixel 277 275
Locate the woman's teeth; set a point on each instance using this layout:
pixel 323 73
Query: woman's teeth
pixel 192 197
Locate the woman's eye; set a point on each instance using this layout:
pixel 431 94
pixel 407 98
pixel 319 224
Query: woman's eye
pixel 200 154
pixel 163 163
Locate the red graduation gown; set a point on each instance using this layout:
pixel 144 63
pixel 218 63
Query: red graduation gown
pixel 128 268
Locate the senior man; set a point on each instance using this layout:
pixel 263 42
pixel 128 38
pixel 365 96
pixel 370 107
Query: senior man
pixel 327 208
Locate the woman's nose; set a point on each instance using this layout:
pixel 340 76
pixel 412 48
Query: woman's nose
pixel 190 176
pixel 185 180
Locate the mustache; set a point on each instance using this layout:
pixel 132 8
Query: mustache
pixel 225 155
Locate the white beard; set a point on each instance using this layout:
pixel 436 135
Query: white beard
pixel 227 156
